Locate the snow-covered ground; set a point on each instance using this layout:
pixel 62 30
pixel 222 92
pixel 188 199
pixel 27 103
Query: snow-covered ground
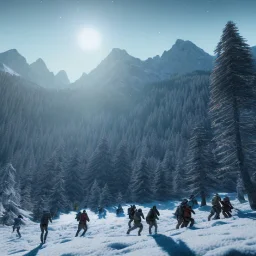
pixel 229 237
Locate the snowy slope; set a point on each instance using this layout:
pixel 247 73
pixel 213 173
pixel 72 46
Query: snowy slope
pixel 234 236
pixel 6 69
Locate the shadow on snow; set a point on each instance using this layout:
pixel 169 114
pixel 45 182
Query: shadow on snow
pixel 34 251
pixel 171 247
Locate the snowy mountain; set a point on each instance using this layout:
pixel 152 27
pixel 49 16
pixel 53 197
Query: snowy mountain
pixel 107 236
pixel 8 70
pixel 62 78
pixel 120 68
pixel 36 72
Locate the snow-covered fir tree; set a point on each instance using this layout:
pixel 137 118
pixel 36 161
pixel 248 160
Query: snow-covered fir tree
pixel 141 189
pixel 74 180
pixel 94 196
pixel 106 199
pixel 200 178
pixel 9 194
pixel 233 95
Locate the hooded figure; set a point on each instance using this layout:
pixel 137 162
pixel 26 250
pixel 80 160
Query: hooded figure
pixel 226 207
pixel 46 217
pixel 137 222
pixel 151 219
pixel 16 225
pixel 179 213
pixel 82 223
pixel 216 207
pixel 131 212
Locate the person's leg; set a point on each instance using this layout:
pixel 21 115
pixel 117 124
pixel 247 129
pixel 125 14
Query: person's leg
pixel 46 233
pixel 130 223
pixel 150 227
pixel 85 229
pixel 42 233
pixel 211 214
pixel 132 228
pixel 192 221
pixel 18 232
pixel 225 214
pixel 229 214
pixel 180 220
pixel 141 228
pixel 155 224
pixel 78 229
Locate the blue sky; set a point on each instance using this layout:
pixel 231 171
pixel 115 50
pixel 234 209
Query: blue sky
pixel 48 28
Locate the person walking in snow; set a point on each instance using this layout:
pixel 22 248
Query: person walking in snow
pixel 179 213
pixel 137 222
pixel 44 225
pixel 192 201
pixel 151 219
pixel 119 210
pixel 226 207
pixel 131 212
pixel 216 207
pixel 187 212
pixel 82 223
pixel 16 225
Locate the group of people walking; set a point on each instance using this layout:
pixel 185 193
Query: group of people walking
pixel 183 214
pixel 184 211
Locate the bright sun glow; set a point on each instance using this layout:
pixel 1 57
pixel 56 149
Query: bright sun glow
pixel 89 39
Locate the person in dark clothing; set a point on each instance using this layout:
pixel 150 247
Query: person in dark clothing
pixel 119 210
pixel 151 218
pixel 44 225
pixel 187 212
pixel 226 207
pixel 78 216
pixel 82 223
pixel 137 222
pixel 216 207
pixel 16 225
pixel 131 212
pixel 179 213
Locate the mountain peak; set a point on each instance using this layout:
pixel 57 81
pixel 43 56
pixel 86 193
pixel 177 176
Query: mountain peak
pixel 119 54
pixel 62 77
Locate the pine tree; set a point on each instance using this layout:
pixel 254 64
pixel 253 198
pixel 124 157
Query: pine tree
pixel 39 207
pixel 232 96
pixel 73 180
pixel 199 178
pixel 119 199
pixel 240 189
pixel 94 196
pixel 160 189
pixel 105 197
pixel 141 187
pixel 9 194
pixel 100 166
pixel 122 170
pixel 58 200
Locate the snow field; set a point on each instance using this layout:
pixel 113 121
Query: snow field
pixel 229 237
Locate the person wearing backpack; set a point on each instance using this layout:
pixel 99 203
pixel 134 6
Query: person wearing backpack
pixel 16 225
pixel 187 212
pixel 226 207
pixel 44 225
pixel 131 212
pixel 151 218
pixel 179 213
pixel 137 222
pixel 216 207
pixel 82 223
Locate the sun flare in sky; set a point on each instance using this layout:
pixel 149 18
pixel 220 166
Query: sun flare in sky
pixel 89 39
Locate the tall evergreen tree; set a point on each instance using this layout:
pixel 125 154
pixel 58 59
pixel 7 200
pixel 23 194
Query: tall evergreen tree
pixel 9 194
pixel 141 184
pixel 200 177
pixel 106 199
pixel 74 179
pixel 122 170
pixel 160 188
pixel 58 199
pixel 232 95
pixel 94 196
pixel 100 166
